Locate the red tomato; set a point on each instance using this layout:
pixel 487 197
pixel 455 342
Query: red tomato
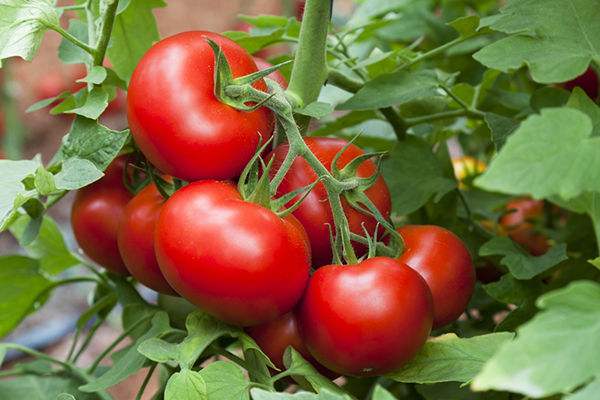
pixel 273 337
pixel 315 213
pixel 136 239
pixel 235 260
pixel 520 225
pixel 277 76
pixel 366 319
pixel 445 263
pixel 177 121
pixel 588 81
pixel 95 216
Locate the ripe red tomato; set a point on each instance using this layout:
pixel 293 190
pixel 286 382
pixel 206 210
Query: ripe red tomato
pixel 520 225
pixel 277 76
pixel 273 337
pixel 136 239
pixel 446 265
pixel 177 121
pixel 315 213
pixel 235 260
pixel 366 319
pixel 95 216
pixel 588 81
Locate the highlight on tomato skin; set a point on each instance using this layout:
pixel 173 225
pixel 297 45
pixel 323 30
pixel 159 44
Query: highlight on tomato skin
pixel 366 319
pixel 445 263
pixel 95 216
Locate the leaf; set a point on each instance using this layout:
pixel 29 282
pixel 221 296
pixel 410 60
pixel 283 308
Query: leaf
pixel 48 248
pixel 225 381
pixel 302 370
pixel 97 75
pixel 77 173
pixel 203 330
pixel 469 27
pixel 20 284
pixel 68 53
pixel 14 194
pixel 557 351
pixel 22 25
pixel 449 391
pixel 558 44
pixel 393 89
pixel 381 394
pixel 159 350
pixel 510 290
pixel 591 391
pixel 315 109
pixel 132 361
pixel 134 32
pixel 449 358
pixel 186 385
pixel 520 263
pixel 595 262
pixel 260 394
pixel 524 166
pixel 580 101
pixel 501 127
pixel 65 396
pixel 95 104
pixel 31 387
pixel 413 175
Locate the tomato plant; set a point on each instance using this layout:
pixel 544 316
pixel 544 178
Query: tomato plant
pixel 519 222
pixel 314 213
pixel 95 216
pixel 193 135
pixel 249 275
pixel 374 328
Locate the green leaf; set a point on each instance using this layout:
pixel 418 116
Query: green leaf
pixel 316 110
pixel 32 387
pixel 254 356
pixel 225 381
pixel 580 101
pixel 22 25
pixel 548 97
pixel 381 394
pixel 132 361
pixel 510 290
pixel 260 394
pixel 351 119
pixel 449 391
pixel 555 352
pixel 77 173
pixel 14 194
pixel 134 32
pixel 303 372
pixel 48 248
pixel 393 89
pixel 501 127
pixel 35 210
pixel 591 391
pixel 95 104
pixel 44 182
pixel 46 102
pixel 67 51
pixel 558 44
pixel 526 167
pixel 469 27
pixel 159 350
pixel 449 358
pixel 595 262
pixel 20 284
pixel 203 329
pixel 413 175
pixel 96 76
pixel 186 385
pixel 65 396
pixel 520 263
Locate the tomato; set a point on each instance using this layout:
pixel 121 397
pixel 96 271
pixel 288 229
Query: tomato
pixel 236 260
pixel 366 319
pixel 136 239
pixel 446 265
pixel 520 225
pixel 177 121
pixel 273 337
pixel 588 81
pixel 95 216
pixel 466 169
pixel 277 76
pixel 315 213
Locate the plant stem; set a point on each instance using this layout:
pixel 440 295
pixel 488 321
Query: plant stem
pixel 431 53
pixel 146 380
pixel 72 39
pixel 442 116
pixel 89 336
pixel 108 20
pixel 310 66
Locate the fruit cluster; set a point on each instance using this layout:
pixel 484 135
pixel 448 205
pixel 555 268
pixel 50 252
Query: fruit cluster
pixel 243 262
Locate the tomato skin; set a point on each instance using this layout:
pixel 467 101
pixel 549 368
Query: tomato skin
pixel 315 213
pixel 588 82
pixel 235 260
pixel 136 239
pixel 273 337
pixel 446 265
pixel 366 319
pixel 95 216
pixel 277 76
pixel 520 225
pixel 177 121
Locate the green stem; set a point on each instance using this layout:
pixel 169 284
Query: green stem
pixel 431 53
pixel 146 380
pixel 89 336
pixel 442 116
pixel 73 39
pixel 15 137
pixel 108 20
pixel 118 340
pixel 73 8
pixel 310 65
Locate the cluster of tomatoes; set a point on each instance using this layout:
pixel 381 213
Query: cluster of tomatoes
pixel 240 261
